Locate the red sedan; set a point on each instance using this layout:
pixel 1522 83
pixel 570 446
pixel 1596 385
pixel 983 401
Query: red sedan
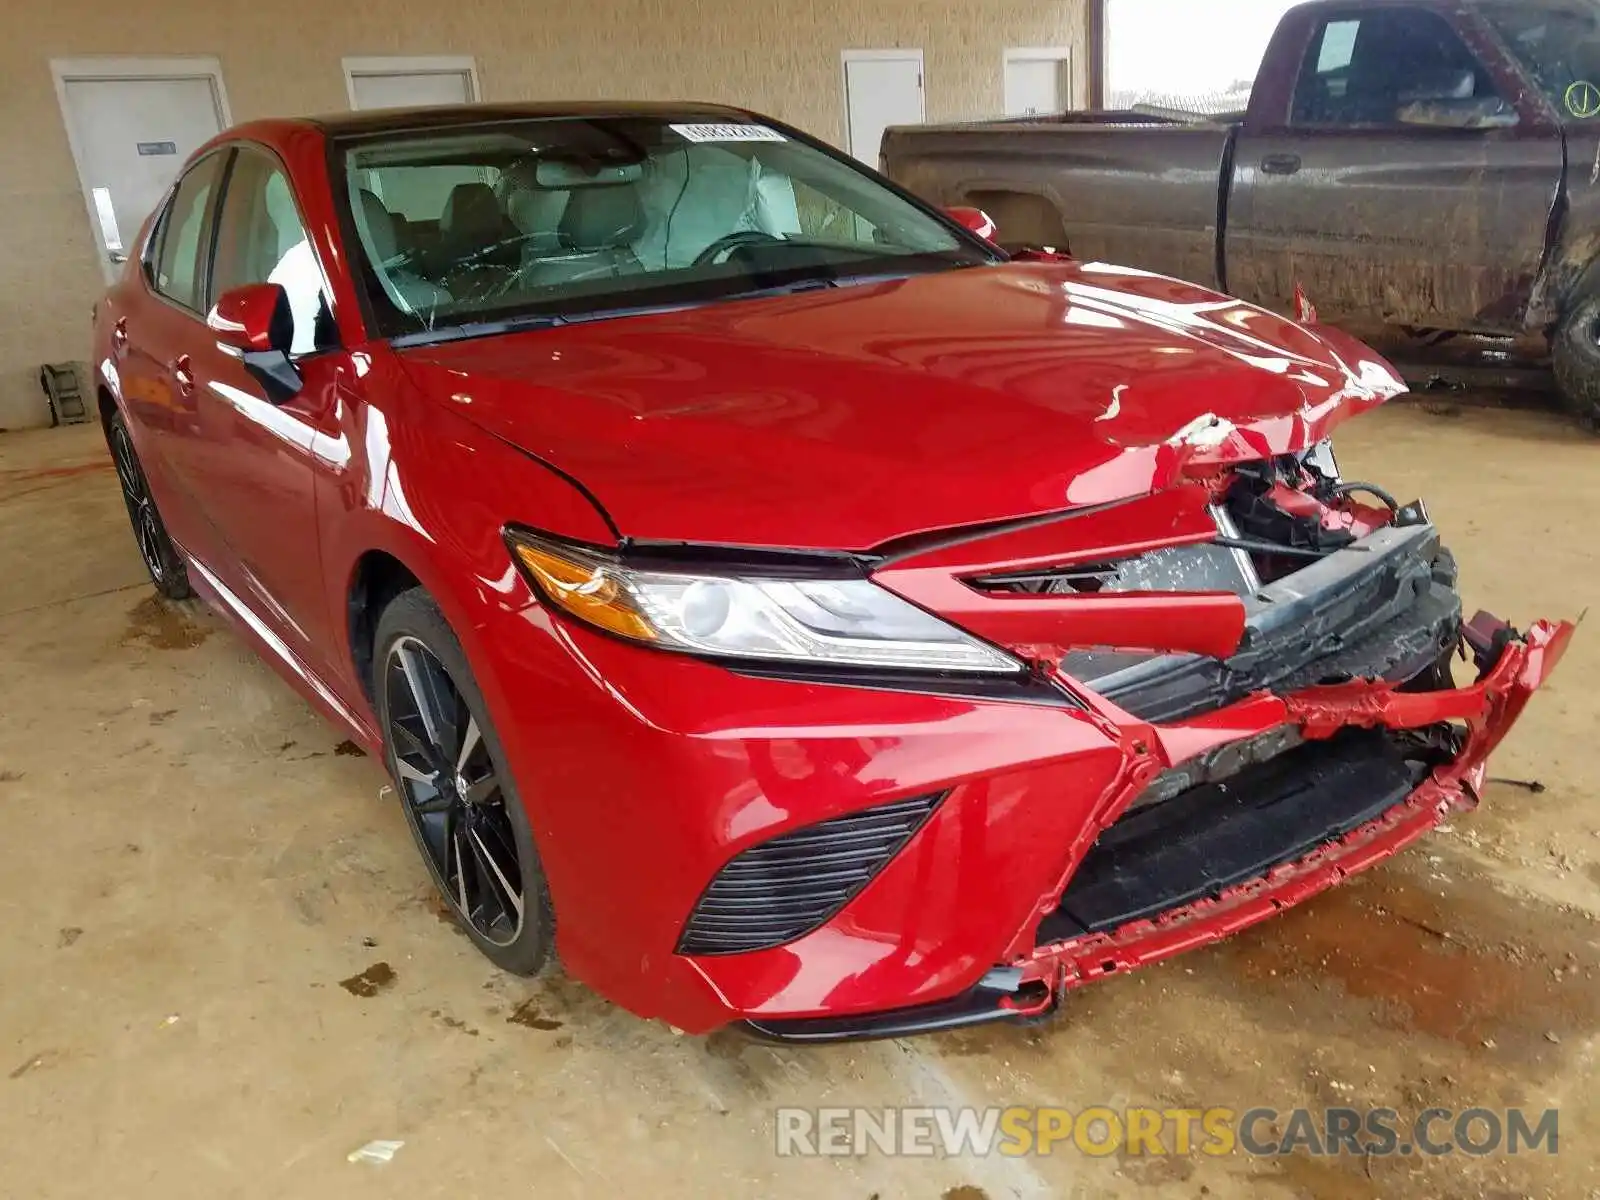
pixel 765 591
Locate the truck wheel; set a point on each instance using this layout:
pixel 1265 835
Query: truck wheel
pixel 1575 351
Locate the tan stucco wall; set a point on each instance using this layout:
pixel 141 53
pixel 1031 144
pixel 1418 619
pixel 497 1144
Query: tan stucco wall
pixel 778 56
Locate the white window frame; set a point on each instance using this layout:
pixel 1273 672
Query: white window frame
pixel 124 68
pixel 901 54
pixel 1061 54
pixel 411 64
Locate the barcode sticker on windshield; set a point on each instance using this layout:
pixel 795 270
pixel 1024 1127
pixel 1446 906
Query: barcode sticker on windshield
pixel 728 133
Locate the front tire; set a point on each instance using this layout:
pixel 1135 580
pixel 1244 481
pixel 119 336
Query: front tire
pixel 460 801
pixel 1575 352
pixel 161 557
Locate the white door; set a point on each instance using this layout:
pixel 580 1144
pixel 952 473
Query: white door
pixel 881 88
pixel 129 137
pixel 410 83
pixel 1037 82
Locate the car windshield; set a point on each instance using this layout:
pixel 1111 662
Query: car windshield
pixel 1558 42
pixel 466 229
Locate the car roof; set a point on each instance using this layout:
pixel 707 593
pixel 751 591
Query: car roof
pixel 397 120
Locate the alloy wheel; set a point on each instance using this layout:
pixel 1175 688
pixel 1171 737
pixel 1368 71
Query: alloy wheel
pixel 453 792
pixel 141 508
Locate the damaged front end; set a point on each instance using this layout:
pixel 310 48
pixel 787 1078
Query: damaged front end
pixel 1283 660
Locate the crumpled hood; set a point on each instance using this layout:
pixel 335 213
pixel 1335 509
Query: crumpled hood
pixel 845 418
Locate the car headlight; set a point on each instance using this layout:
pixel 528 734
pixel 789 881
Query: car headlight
pixel 742 613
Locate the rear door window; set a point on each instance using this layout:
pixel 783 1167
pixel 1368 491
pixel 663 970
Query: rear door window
pixel 185 234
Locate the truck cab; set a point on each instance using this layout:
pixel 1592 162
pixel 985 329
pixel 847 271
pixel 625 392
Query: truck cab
pixel 1432 165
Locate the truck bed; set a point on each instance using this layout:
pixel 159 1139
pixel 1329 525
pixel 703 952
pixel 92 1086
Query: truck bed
pixel 1030 175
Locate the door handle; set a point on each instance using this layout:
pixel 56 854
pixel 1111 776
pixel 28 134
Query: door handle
pixel 1280 164
pixel 183 372
pixel 119 334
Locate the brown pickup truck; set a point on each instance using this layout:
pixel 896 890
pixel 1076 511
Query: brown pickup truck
pixel 1427 164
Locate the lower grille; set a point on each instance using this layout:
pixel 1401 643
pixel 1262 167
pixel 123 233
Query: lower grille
pixel 1219 835
pixel 783 889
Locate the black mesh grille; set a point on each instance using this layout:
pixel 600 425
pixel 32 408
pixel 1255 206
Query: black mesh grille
pixel 783 889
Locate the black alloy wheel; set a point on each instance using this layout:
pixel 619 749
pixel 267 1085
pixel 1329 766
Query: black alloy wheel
pixel 458 800
pixel 160 556
pixel 453 793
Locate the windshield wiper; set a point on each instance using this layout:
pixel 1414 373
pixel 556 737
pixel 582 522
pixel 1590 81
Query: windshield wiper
pixel 482 329
pixel 815 284
pixel 819 284
pixel 477 329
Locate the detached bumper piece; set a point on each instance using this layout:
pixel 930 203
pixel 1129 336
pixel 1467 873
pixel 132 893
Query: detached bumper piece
pixel 1384 610
pixel 1381 767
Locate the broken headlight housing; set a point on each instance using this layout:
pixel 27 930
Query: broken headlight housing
pixel 1321 460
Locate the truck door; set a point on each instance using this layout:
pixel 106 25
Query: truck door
pixel 1402 176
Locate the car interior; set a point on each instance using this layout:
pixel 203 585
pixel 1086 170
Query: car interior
pixel 486 227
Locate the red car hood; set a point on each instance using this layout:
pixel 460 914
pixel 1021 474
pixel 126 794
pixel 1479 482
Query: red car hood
pixel 842 419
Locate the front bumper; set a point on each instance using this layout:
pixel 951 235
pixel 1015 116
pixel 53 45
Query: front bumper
pixel 644 774
pixel 1032 983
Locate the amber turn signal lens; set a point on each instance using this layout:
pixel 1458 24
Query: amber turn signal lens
pixel 586 590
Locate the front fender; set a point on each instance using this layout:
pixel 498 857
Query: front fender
pixel 432 491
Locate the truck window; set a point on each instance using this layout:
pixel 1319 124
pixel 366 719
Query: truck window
pixel 1362 70
pixel 1338 48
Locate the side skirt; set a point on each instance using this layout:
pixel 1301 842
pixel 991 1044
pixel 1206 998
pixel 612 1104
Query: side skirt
pixel 274 650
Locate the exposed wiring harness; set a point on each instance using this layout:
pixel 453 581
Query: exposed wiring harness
pixel 1372 489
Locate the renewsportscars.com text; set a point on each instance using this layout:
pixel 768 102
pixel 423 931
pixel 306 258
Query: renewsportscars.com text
pixel 1101 1131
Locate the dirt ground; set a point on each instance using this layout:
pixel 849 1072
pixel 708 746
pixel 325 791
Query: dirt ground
pixel 222 969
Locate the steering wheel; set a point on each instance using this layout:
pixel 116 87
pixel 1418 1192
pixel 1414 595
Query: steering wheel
pixel 728 243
